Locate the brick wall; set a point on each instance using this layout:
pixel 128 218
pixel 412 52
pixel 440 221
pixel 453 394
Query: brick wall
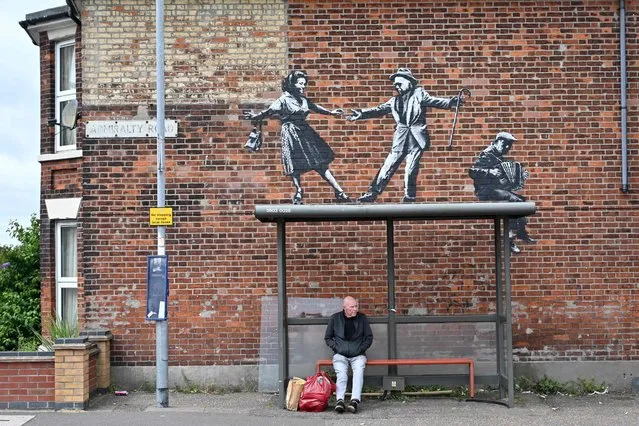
pixel 215 51
pixel 546 71
pixel 27 380
pixel 75 372
pixel 64 379
pixel 58 178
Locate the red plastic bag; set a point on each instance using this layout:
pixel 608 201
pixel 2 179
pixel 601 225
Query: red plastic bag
pixel 316 393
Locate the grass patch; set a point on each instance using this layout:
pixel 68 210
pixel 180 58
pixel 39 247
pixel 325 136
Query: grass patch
pixel 549 386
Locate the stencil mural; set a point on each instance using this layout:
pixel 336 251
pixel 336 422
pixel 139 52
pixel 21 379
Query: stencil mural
pixel 411 133
pixel 496 178
pixel 303 149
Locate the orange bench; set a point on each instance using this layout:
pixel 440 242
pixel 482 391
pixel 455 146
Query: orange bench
pixel 433 361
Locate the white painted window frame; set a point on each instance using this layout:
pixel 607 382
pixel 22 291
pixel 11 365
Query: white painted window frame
pixel 63 282
pixel 63 95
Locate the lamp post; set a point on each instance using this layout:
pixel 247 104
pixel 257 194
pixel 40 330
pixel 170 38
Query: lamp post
pixel 161 327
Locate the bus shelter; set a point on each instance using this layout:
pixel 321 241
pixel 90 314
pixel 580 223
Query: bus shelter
pixel 499 212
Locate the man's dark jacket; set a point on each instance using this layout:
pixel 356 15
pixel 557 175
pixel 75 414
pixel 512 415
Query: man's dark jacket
pixel 361 340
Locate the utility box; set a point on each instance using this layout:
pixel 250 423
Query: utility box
pixel 393 383
pixel 157 288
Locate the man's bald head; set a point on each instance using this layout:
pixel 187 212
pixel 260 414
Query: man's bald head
pixel 350 306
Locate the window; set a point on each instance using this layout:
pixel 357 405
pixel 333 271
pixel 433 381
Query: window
pixel 64 91
pixel 66 266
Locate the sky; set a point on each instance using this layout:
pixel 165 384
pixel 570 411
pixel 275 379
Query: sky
pixel 19 116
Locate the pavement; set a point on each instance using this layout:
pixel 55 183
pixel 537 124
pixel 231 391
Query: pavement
pixel 252 408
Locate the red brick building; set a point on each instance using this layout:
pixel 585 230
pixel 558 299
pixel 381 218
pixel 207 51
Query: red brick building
pixel 549 72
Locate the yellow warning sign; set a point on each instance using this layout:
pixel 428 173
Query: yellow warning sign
pixel 161 216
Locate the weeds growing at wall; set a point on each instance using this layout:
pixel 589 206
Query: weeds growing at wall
pixel 550 386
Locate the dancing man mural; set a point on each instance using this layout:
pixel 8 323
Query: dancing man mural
pixel 411 137
pixel 496 178
pixel 303 149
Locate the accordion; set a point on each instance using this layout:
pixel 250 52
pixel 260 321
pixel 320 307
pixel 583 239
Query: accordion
pixel 514 175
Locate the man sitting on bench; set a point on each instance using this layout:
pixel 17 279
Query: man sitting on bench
pixel 349 336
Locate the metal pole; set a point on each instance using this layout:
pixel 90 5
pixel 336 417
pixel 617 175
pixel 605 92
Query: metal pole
pixel 392 310
pixel 499 324
pixel 161 327
pixel 282 310
pixel 509 318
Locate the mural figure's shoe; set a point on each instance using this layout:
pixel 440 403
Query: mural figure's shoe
pixel 408 199
pixel 523 235
pixel 368 197
pixel 297 198
pixel 514 248
pixel 341 197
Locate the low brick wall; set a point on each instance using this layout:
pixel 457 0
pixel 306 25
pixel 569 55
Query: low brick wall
pixel 62 379
pixel 27 380
pixel 102 370
pixel 75 364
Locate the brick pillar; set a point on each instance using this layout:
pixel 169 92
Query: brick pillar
pixel 72 384
pixel 102 338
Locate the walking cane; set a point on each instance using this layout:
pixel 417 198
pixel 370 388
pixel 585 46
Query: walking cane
pixel 463 90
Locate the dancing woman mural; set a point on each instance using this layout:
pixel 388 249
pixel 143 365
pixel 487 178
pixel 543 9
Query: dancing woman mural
pixel 303 149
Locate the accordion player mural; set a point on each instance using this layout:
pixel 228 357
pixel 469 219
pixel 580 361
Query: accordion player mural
pixel 496 178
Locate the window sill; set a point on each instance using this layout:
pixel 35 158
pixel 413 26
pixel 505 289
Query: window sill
pixel 64 155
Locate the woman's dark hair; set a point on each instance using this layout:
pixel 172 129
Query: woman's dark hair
pixel 288 82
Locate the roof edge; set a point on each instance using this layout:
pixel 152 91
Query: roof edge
pixel 69 11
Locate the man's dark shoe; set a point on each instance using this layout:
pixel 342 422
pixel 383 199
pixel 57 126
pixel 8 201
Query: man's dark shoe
pixel 523 235
pixel 297 198
pixel 341 197
pixel 368 197
pixel 408 199
pixel 514 248
pixel 352 406
pixel 339 406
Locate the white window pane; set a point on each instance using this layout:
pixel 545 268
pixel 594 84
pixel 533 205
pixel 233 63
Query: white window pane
pixel 68 252
pixel 65 139
pixel 67 136
pixel 67 68
pixel 69 306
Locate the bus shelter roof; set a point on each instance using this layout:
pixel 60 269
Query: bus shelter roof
pixel 414 211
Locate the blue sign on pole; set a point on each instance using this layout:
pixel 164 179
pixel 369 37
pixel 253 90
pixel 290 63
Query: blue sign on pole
pixel 157 287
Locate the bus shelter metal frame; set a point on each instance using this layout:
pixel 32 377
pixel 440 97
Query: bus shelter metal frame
pixel 499 212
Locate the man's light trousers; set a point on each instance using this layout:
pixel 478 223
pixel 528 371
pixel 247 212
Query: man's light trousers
pixel 340 365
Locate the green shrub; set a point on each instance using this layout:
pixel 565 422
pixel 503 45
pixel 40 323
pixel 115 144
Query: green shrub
pixel 20 287
pixel 548 386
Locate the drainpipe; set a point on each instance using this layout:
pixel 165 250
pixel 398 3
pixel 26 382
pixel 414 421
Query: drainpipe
pixel 624 106
pixel 74 12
